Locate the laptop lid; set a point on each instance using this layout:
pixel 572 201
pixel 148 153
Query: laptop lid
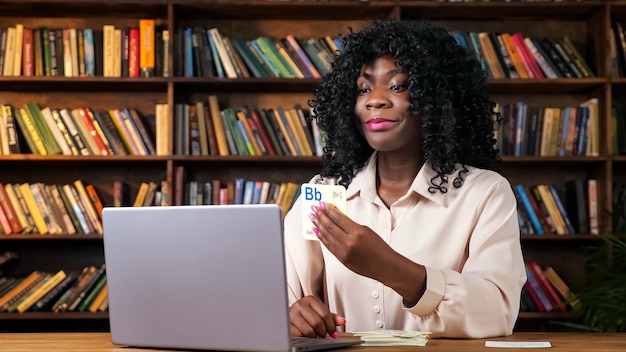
pixel 197 277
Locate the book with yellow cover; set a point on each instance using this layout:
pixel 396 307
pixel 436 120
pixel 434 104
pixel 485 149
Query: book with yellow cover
pixel 294 122
pixel 97 302
pixel 218 126
pixel 141 194
pixel 41 291
pixel 27 281
pixel 146 47
pixel 40 223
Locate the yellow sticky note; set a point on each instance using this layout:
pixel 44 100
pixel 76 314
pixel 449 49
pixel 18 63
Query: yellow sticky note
pixel 313 194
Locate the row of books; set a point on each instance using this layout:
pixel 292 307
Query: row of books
pixel 83 290
pixel 205 129
pixel 541 210
pixel 506 55
pixel 236 191
pixel 80 131
pixel 545 291
pixel 73 52
pixel 549 131
pixel 212 192
pixel 206 52
pixel 70 209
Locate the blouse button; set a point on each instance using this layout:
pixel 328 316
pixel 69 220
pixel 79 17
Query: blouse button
pixel 376 309
pixel 375 294
pixel 379 323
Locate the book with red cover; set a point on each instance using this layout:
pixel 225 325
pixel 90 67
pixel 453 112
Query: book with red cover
pixel 547 287
pixel 9 211
pixel 533 286
pixel 92 131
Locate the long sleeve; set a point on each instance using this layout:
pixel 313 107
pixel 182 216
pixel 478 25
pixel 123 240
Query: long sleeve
pixel 304 260
pixel 483 298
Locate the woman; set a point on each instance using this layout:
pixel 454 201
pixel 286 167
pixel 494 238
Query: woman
pixel 430 241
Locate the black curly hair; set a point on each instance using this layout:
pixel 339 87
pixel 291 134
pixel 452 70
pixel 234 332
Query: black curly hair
pixel 447 91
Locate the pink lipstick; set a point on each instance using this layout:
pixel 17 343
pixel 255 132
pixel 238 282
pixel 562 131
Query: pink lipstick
pixel 378 124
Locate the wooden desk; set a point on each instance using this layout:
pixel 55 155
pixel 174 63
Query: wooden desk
pixel 100 342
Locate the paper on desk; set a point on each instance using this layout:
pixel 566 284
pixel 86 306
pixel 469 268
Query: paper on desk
pixel 393 338
pixel 518 344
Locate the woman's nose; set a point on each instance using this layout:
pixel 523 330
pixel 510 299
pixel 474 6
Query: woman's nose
pixel 377 99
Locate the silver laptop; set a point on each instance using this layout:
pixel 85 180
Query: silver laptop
pixel 200 277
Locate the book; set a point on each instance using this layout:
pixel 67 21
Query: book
pixel 9 211
pixel 33 208
pixel 141 194
pixel 524 199
pixel 564 290
pixel 146 47
pixel 218 125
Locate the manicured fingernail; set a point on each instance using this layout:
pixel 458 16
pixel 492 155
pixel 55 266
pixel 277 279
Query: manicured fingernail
pixel 316 231
pixel 315 208
pixel 335 335
pixel 323 205
pixel 312 216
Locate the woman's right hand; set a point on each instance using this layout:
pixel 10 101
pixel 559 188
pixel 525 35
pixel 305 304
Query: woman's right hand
pixel 311 317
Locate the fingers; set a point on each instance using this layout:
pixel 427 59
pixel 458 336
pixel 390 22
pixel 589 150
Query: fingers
pixel 339 320
pixel 310 317
pixel 329 224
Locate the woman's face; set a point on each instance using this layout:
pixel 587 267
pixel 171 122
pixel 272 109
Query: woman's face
pixel 382 107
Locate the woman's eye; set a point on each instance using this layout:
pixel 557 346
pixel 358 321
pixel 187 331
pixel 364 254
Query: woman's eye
pixel 398 88
pixel 362 90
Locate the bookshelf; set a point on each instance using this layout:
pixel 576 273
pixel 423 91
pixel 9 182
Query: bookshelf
pixel 587 23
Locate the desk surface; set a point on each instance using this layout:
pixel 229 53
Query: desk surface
pixel 100 342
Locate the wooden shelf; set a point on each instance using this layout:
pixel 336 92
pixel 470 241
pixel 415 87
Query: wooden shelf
pixel 565 238
pixel 55 316
pixel 501 11
pixel 272 10
pixel 38 237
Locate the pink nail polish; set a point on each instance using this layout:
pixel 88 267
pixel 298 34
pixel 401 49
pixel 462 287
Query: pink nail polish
pixel 316 231
pixel 323 205
pixel 315 208
pixel 312 217
pixel 335 335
